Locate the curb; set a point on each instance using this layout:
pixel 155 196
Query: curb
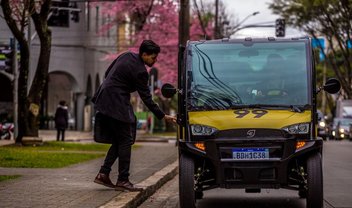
pixel 151 185
pixel 155 139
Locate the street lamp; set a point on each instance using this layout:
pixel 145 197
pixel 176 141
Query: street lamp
pixel 252 26
pixel 233 29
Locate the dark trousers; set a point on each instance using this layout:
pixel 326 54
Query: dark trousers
pixel 120 148
pixel 62 132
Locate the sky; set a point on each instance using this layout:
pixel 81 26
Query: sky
pixel 240 9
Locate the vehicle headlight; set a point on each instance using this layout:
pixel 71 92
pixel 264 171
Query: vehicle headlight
pixel 201 130
pixel 322 124
pixel 341 130
pixel 302 128
pixel 333 133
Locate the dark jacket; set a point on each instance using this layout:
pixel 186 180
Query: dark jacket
pixel 61 117
pixel 125 75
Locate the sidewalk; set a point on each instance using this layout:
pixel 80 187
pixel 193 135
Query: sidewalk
pixel 153 163
pixel 87 136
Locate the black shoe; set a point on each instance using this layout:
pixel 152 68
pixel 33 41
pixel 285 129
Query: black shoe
pixel 103 179
pixel 126 186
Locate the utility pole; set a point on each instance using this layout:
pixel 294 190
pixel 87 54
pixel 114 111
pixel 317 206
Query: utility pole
pixel 183 27
pixel 15 88
pixel 216 28
pixel 323 101
pixel 151 116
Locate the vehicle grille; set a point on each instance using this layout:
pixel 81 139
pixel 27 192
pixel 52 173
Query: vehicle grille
pixel 244 133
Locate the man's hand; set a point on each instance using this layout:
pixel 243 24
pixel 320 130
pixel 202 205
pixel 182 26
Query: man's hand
pixel 169 118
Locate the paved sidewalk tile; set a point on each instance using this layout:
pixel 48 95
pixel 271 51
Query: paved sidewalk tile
pixel 73 186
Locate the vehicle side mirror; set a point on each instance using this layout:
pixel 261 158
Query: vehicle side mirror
pixel 168 90
pixel 332 86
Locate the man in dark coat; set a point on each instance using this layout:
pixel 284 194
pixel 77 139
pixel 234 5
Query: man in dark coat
pixel 61 120
pixel 125 75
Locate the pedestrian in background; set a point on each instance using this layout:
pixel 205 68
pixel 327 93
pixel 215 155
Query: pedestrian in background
pixel 61 120
pixel 125 75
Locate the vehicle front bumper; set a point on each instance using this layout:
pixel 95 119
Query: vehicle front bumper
pixel 259 173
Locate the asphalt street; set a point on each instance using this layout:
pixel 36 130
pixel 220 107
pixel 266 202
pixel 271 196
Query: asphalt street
pixel 337 165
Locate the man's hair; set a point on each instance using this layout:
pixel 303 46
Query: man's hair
pixel 149 47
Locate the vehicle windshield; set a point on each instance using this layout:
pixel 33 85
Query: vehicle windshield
pixel 342 122
pixel 230 75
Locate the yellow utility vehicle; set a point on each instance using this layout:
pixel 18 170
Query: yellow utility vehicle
pixel 247 117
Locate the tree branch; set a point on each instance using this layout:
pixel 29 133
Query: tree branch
pixel 200 18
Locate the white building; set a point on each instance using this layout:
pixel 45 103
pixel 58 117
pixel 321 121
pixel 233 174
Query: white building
pixel 76 63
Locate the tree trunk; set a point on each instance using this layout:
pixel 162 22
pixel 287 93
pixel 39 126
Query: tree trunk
pixel 28 105
pixel 41 73
pixel 23 67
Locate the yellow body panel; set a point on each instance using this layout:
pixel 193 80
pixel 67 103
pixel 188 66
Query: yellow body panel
pixel 226 119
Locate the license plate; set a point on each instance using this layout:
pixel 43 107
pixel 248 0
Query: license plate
pixel 250 153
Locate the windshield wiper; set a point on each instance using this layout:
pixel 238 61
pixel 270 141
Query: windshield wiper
pixel 294 108
pixel 209 91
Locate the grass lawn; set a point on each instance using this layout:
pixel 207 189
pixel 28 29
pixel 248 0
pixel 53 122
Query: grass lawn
pixel 50 155
pixel 8 177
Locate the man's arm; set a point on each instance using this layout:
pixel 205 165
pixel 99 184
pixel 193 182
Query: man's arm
pixel 171 119
pixel 144 93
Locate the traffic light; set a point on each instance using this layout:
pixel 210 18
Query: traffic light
pixel 74 12
pixel 280 27
pixel 59 15
pixel 8 60
pixel 75 16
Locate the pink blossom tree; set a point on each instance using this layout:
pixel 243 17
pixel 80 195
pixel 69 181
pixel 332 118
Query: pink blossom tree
pixel 156 20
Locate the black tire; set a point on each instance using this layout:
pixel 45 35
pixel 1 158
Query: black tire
pixel 314 181
pixel 199 194
pixel 186 182
pixel 302 192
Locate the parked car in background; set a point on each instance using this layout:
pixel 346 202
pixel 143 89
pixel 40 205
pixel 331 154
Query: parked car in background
pixel 323 129
pixel 341 128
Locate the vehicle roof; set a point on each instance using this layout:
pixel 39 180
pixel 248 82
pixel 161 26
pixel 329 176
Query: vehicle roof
pixel 249 39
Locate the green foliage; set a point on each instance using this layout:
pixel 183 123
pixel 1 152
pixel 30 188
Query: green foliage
pixel 40 159
pixel 330 19
pixel 8 177
pixel 141 115
pixel 50 155
pixel 62 146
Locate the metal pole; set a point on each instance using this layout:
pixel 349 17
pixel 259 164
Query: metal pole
pixel 237 27
pixel 324 95
pixel 183 22
pixel 216 32
pixel 15 88
pixel 323 102
pixel 152 92
pixel 249 26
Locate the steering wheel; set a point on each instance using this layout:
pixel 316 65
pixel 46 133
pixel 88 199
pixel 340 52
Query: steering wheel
pixel 274 96
pixel 276 93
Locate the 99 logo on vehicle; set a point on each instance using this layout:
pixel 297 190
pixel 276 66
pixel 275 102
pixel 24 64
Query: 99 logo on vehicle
pixel 243 113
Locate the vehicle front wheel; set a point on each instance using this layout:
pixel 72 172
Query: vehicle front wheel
pixel 314 181
pixel 186 182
